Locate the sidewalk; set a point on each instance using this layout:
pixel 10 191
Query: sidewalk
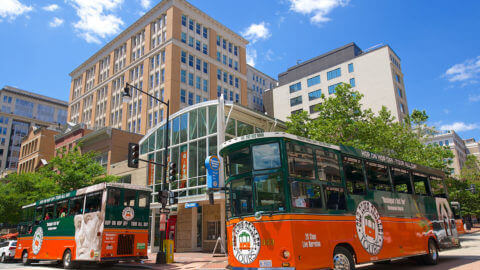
pixel 189 260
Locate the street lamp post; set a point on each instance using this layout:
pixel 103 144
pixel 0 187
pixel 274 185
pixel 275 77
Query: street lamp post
pixel 127 96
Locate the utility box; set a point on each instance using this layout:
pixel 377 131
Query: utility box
pixel 168 247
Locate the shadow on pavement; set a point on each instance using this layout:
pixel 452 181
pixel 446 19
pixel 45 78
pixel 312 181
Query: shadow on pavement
pixel 445 262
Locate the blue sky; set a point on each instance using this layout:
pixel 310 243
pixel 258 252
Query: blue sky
pixel 438 43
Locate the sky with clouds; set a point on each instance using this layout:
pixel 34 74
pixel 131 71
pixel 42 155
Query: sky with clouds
pixel 43 41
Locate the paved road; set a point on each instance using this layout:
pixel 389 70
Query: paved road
pixel 466 258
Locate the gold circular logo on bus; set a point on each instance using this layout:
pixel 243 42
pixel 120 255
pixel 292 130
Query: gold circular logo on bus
pixel 246 242
pixel 369 227
pixel 37 240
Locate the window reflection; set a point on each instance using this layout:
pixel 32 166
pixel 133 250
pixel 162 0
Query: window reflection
pixel 266 156
pixel 269 192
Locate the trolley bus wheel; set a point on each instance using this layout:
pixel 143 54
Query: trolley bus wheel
pixel 343 259
pixel 67 259
pixel 432 257
pixel 25 259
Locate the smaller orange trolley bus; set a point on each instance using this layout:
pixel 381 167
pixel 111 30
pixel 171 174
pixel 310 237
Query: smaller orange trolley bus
pixel 294 203
pixel 103 223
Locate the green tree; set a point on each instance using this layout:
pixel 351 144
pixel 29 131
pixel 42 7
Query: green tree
pixel 74 170
pixel 459 191
pixel 17 190
pixel 471 170
pixel 342 120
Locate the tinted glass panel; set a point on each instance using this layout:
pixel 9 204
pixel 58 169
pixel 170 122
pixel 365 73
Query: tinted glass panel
pixel 241 197
pixel 269 192
pixel 420 183
pixel 129 197
pixel 266 156
pixel 239 161
pixel 377 176
pixel 94 202
pixel 300 161
pixel 327 166
pixel 353 170
pixel 306 195
pixel 335 198
pixel 76 205
pixel 114 196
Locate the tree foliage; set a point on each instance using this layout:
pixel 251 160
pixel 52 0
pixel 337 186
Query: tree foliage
pixel 460 191
pixel 65 172
pixel 471 170
pixel 342 120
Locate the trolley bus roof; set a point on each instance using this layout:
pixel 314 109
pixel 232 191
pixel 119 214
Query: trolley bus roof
pixel 85 190
pixel 342 148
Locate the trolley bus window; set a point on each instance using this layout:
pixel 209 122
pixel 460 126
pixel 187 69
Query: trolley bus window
pixel 239 162
pixel 306 195
pixel 269 192
pixel 129 197
pixel 114 195
pixel 355 180
pixel 76 206
pixel 377 176
pixel 438 190
pixel 335 197
pixel 327 166
pixel 401 181
pixel 143 199
pixel 94 202
pixel 62 208
pixel 421 184
pixel 49 213
pixel 300 161
pixel 39 213
pixel 241 196
pixel 266 156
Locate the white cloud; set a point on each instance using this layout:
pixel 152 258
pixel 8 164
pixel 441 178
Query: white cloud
pixel 251 56
pixel 319 9
pixel 145 3
pixel 12 8
pixel 256 32
pixel 56 22
pixel 468 71
pixel 460 126
pixel 95 23
pixel 51 7
pixel 474 98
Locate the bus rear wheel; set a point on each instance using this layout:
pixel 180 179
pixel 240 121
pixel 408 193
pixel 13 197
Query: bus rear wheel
pixel 67 260
pixel 343 259
pixel 25 259
pixel 432 257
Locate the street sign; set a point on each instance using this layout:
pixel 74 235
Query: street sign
pixel 163 222
pixel 212 163
pixel 191 205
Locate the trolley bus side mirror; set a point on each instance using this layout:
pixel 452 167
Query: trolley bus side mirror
pixel 258 215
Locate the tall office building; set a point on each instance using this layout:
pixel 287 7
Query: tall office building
pixel 257 83
pixel 473 147
pixel 175 52
pixel 19 111
pixel 376 73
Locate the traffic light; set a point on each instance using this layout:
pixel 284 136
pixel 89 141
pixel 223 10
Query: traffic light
pixel 163 197
pixel 133 154
pixel 172 172
pixel 173 197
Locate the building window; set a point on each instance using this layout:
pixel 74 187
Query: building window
pixel 198 66
pixel 184 37
pixel 205 32
pixel 235 50
pixel 219 74
pixel 237 98
pixel 205 49
pixel 236 82
pixel 315 94
pixel 296 111
pixel 334 74
pixel 295 101
pixel 218 40
pixel 190 60
pixel 190 41
pixel 352 82
pixel 400 94
pixel 397 78
pixel 219 91
pixel 312 108
pixel 190 98
pixel 183 76
pixel 184 20
pixel 350 67
pixel 182 96
pixel 190 24
pixel 205 67
pixel 198 82
pixel 295 87
pixel 205 85
pixel 197 45
pixel 331 88
pixel 219 57
pixel 190 79
pixel 313 81
pixel 197 28
pixel 402 108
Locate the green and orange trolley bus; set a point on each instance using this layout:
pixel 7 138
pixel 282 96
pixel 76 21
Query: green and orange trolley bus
pixel 103 223
pixel 294 203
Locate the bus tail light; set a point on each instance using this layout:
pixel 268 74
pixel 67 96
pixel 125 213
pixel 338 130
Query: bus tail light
pixel 285 254
pixel 12 248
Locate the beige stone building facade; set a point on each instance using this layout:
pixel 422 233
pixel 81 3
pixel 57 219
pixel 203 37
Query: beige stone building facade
pixel 473 147
pixel 37 148
pixel 175 52
pixel 376 73
pixel 452 140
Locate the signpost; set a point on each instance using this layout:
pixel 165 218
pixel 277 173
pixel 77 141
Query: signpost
pixel 212 163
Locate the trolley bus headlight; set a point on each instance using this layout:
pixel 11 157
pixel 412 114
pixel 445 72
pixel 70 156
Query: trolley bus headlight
pixel 286 254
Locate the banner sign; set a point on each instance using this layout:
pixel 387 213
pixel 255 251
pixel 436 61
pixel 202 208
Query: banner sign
pixel 191 205
pixel 212 163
